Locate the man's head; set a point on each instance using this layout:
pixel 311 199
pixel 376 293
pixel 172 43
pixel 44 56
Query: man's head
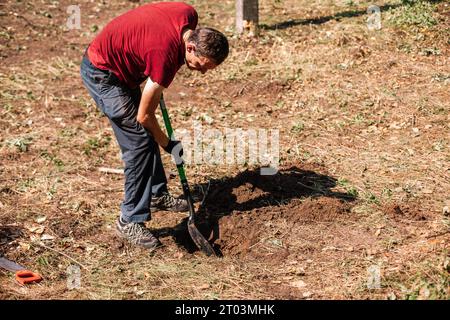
pixel 206 48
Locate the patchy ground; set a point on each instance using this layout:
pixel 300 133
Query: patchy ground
pixel 363 182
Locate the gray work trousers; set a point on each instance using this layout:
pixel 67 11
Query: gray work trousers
pixel 144 172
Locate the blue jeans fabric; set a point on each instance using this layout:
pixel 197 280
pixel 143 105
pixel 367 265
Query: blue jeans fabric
pixel 144 172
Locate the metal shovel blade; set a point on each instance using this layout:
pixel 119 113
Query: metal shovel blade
pixel 199 239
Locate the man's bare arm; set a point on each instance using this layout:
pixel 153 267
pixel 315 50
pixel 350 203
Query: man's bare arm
pixel 146 112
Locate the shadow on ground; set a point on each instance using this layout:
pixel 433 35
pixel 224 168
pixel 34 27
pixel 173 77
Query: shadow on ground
pixel 338 16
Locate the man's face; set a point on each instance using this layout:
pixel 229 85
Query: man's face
pixel 199 63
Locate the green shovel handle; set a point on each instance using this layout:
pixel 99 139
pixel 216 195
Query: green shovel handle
pixel 200 241
pixel 169 129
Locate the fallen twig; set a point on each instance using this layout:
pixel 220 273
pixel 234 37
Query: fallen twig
pixel 63 254
pixel 110 170
pixel 438 234
pixel 102 190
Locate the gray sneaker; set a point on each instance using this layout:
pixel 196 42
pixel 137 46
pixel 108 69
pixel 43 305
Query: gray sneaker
pixel 137 233
pixel 168 203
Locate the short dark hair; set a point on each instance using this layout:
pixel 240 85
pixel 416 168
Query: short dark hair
pixel 210 43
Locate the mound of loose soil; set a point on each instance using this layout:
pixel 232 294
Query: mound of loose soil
pixel 242 208
pixel 250 214
pixel 241 232
pixel 317 209
pixel 249 189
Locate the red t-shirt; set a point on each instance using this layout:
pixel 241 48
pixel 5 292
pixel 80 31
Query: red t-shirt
pixel 144 42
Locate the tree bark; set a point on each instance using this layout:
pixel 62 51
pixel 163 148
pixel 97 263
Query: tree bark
pixel 247 16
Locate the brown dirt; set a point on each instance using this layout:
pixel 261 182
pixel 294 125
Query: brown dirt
pixel 240 209
pixel 240 233
pixel 406 212
pixel 249 189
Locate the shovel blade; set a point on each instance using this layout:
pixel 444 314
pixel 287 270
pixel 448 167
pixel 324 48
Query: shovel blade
pixel 200 240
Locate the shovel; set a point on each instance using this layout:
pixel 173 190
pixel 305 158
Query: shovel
pixel 195 234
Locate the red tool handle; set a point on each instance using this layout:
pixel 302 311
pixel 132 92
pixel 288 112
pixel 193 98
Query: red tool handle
pixel 25 277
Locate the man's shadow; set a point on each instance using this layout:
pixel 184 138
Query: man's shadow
pixel 247 191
